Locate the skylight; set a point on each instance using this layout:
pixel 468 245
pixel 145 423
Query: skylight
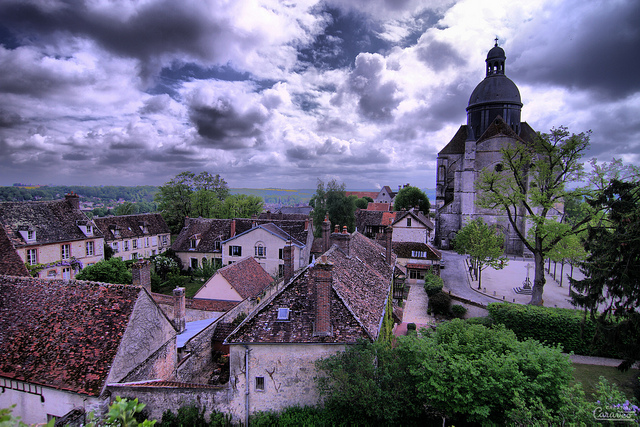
pixel 283 314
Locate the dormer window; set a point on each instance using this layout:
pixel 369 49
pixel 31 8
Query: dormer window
pixel 283 314
pixel 193 243
pixel 217 245
pixel 27 233
pixel 31 235
pixel 408 222
pixel 85 227
pixel 143 226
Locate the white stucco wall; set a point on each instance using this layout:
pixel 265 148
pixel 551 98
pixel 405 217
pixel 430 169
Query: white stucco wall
pixel 32 410
pixel 273 245
pixel 417 232
pixel 288 371
pixel 217 287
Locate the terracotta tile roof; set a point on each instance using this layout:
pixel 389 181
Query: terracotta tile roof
pixel 10 262
pixel 130 226
pixel 53 221
pixel 361 285
pixel 361 194
pixel 456 145
pixel 247 277
pixel 62 335
pixel 405 249
pixel 384 207
pixel 212 230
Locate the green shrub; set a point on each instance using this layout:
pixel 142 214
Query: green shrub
pixel 484 321
pixel 432 284
pixel 440 303
pixel 574 331
pixel 458 311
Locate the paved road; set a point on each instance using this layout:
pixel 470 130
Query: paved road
pixel 455 279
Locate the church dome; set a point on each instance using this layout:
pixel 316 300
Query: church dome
pixel 494 96
pixel 496 88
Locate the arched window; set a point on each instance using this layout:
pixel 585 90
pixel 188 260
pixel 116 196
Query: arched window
pixel 260 250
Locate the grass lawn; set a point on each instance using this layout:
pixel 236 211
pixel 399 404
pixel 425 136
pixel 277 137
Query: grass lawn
pixel 588 375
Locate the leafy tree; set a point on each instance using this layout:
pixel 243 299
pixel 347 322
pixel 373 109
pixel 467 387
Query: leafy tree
pixel 483 244
pixel 530 188
pixel 432 284
pixel 126 208
pixel 410 197
pixel 460 372
pixel 113 270
pixel 361 203
pixel 175 197
pixel 240 206
pixel 611 289
pixel 333 201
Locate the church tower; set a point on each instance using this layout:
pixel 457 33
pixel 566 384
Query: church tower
pixel 493 121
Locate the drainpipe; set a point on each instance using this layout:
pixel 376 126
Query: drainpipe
pixel 246 393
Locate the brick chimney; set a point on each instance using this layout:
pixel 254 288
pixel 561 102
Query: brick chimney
pixel 322 277
pixel 141 272
pixel 268 215
pixel 306 224
pixel 343 240
pixel 288 257
pixel 233 228
pixel 73 199
pixel 179 309
pixel 326 232
pixel 388 238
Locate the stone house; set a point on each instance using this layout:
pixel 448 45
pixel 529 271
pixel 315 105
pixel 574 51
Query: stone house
pixel 63 342
pixel 411 226
pixel 135 236
pixel 417 259
pixel 340 298
pixel 493 122
pixel 236 282
pixel 200 240
pixel 265 243
pixel 54 236
pixel 385 195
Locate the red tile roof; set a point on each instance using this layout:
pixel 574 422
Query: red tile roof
pixel 247 277
pixel 62 335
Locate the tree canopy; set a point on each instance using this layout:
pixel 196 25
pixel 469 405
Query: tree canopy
pixel 530 189
pixel 113 270
pixel 460 372
pixel 333 200
pixel 611 288
pixel 410 197
pixel 484 245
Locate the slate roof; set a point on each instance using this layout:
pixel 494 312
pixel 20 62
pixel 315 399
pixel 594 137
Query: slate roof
pixel 404 250
pixel 62 335
pixel 10 262
pixel 373 218
pixel 247 277
pixel 456 145
pixel 129 226
pixel 212 230
pixel 419 216
pixel 53 221
pixel 389 191
pixel 360 288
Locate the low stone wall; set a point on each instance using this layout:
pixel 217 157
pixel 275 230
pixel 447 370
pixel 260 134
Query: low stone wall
pixel 161 397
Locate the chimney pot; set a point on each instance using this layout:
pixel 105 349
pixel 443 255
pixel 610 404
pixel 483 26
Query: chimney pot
pixel 179 309
pixel 141 273
pixel 288 258
pixel 344 229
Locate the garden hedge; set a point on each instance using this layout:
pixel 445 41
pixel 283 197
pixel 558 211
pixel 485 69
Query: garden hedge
pixel 552 326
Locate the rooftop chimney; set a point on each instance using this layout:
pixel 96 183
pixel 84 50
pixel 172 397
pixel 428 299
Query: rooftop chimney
pixel 388 237
pixel 343 240
pixel 141 272
pixel 326 231
pixel 233 228
pixel 179 309
pixel 269 215
pixel 288 257
pixel 321 274
pixel 306 224
pixel 73 199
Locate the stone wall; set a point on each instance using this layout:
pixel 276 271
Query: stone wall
pixel 162 397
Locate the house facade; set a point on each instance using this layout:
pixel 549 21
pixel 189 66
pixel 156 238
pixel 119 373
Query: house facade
pixel 135 236
pixel 340 298
pixel 236 282
pixel 265 243
pixel 200 240
pixel 493 122
pixel 411 226
pixel 55 239
pixel 63 342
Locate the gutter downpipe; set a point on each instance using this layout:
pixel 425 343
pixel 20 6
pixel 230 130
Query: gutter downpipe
pixel 246 393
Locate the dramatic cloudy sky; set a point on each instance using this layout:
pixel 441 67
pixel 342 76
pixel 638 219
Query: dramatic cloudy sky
pixel 280 93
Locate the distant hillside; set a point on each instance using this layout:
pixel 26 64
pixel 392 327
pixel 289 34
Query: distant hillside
pixel 278 196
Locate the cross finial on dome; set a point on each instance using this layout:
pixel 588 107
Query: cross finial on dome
pixel 496 40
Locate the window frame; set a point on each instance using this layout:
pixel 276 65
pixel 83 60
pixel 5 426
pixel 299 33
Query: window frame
pixel 32 253
pixel 260 384
pixel 235 250
pixel 91 245
pixel 65 249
